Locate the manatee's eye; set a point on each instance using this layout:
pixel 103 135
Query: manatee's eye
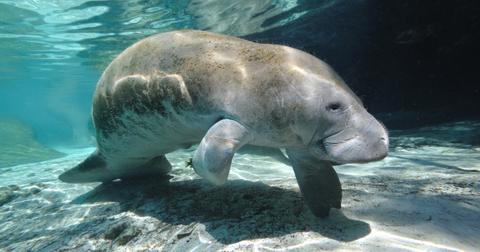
pixel 334 106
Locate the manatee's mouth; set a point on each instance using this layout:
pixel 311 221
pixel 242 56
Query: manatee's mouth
pixel 326 142
pixel 338 149
pixel 344 147
pixel 320 147
pixel 337 141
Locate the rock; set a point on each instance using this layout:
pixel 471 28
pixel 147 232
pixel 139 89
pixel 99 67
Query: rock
pixel 127 235
pixel 11 192
pixel 8 193
pixel 6 196
pixel 183 235
pixel 14 187
pixel 115 230
pixel 121 233
pixel 35 190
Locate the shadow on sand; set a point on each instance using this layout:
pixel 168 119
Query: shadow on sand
pixel 239 210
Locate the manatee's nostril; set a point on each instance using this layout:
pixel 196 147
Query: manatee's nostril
pixel 384 140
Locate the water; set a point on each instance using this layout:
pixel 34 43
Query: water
pixel 424 196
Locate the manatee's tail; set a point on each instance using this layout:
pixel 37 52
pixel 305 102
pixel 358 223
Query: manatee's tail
pixel 92 169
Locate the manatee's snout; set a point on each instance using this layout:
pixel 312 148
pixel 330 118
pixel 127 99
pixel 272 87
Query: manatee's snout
pixel 375 141
pixel 363 140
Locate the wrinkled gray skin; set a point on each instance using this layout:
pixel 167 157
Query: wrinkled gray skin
pixel 180 88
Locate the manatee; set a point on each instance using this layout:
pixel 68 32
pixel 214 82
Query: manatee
pixel 177 89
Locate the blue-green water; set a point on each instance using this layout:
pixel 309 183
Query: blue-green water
pixel 53 52
pixel 425 196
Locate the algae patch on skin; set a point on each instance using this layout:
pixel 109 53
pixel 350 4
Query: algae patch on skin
pixel 18 145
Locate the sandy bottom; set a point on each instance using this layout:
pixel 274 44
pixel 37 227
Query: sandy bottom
pixel 424 197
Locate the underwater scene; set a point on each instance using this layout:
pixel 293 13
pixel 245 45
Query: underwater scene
pixel 239 125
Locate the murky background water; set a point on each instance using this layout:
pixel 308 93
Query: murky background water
pixel 412 63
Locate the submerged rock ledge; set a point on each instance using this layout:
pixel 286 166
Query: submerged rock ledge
pixel 19 146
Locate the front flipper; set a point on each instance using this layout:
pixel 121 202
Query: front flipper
pixel 214 155
pixel 317 180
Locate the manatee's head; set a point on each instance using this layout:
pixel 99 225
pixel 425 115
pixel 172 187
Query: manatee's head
pixel 336 125
pixel 347 133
